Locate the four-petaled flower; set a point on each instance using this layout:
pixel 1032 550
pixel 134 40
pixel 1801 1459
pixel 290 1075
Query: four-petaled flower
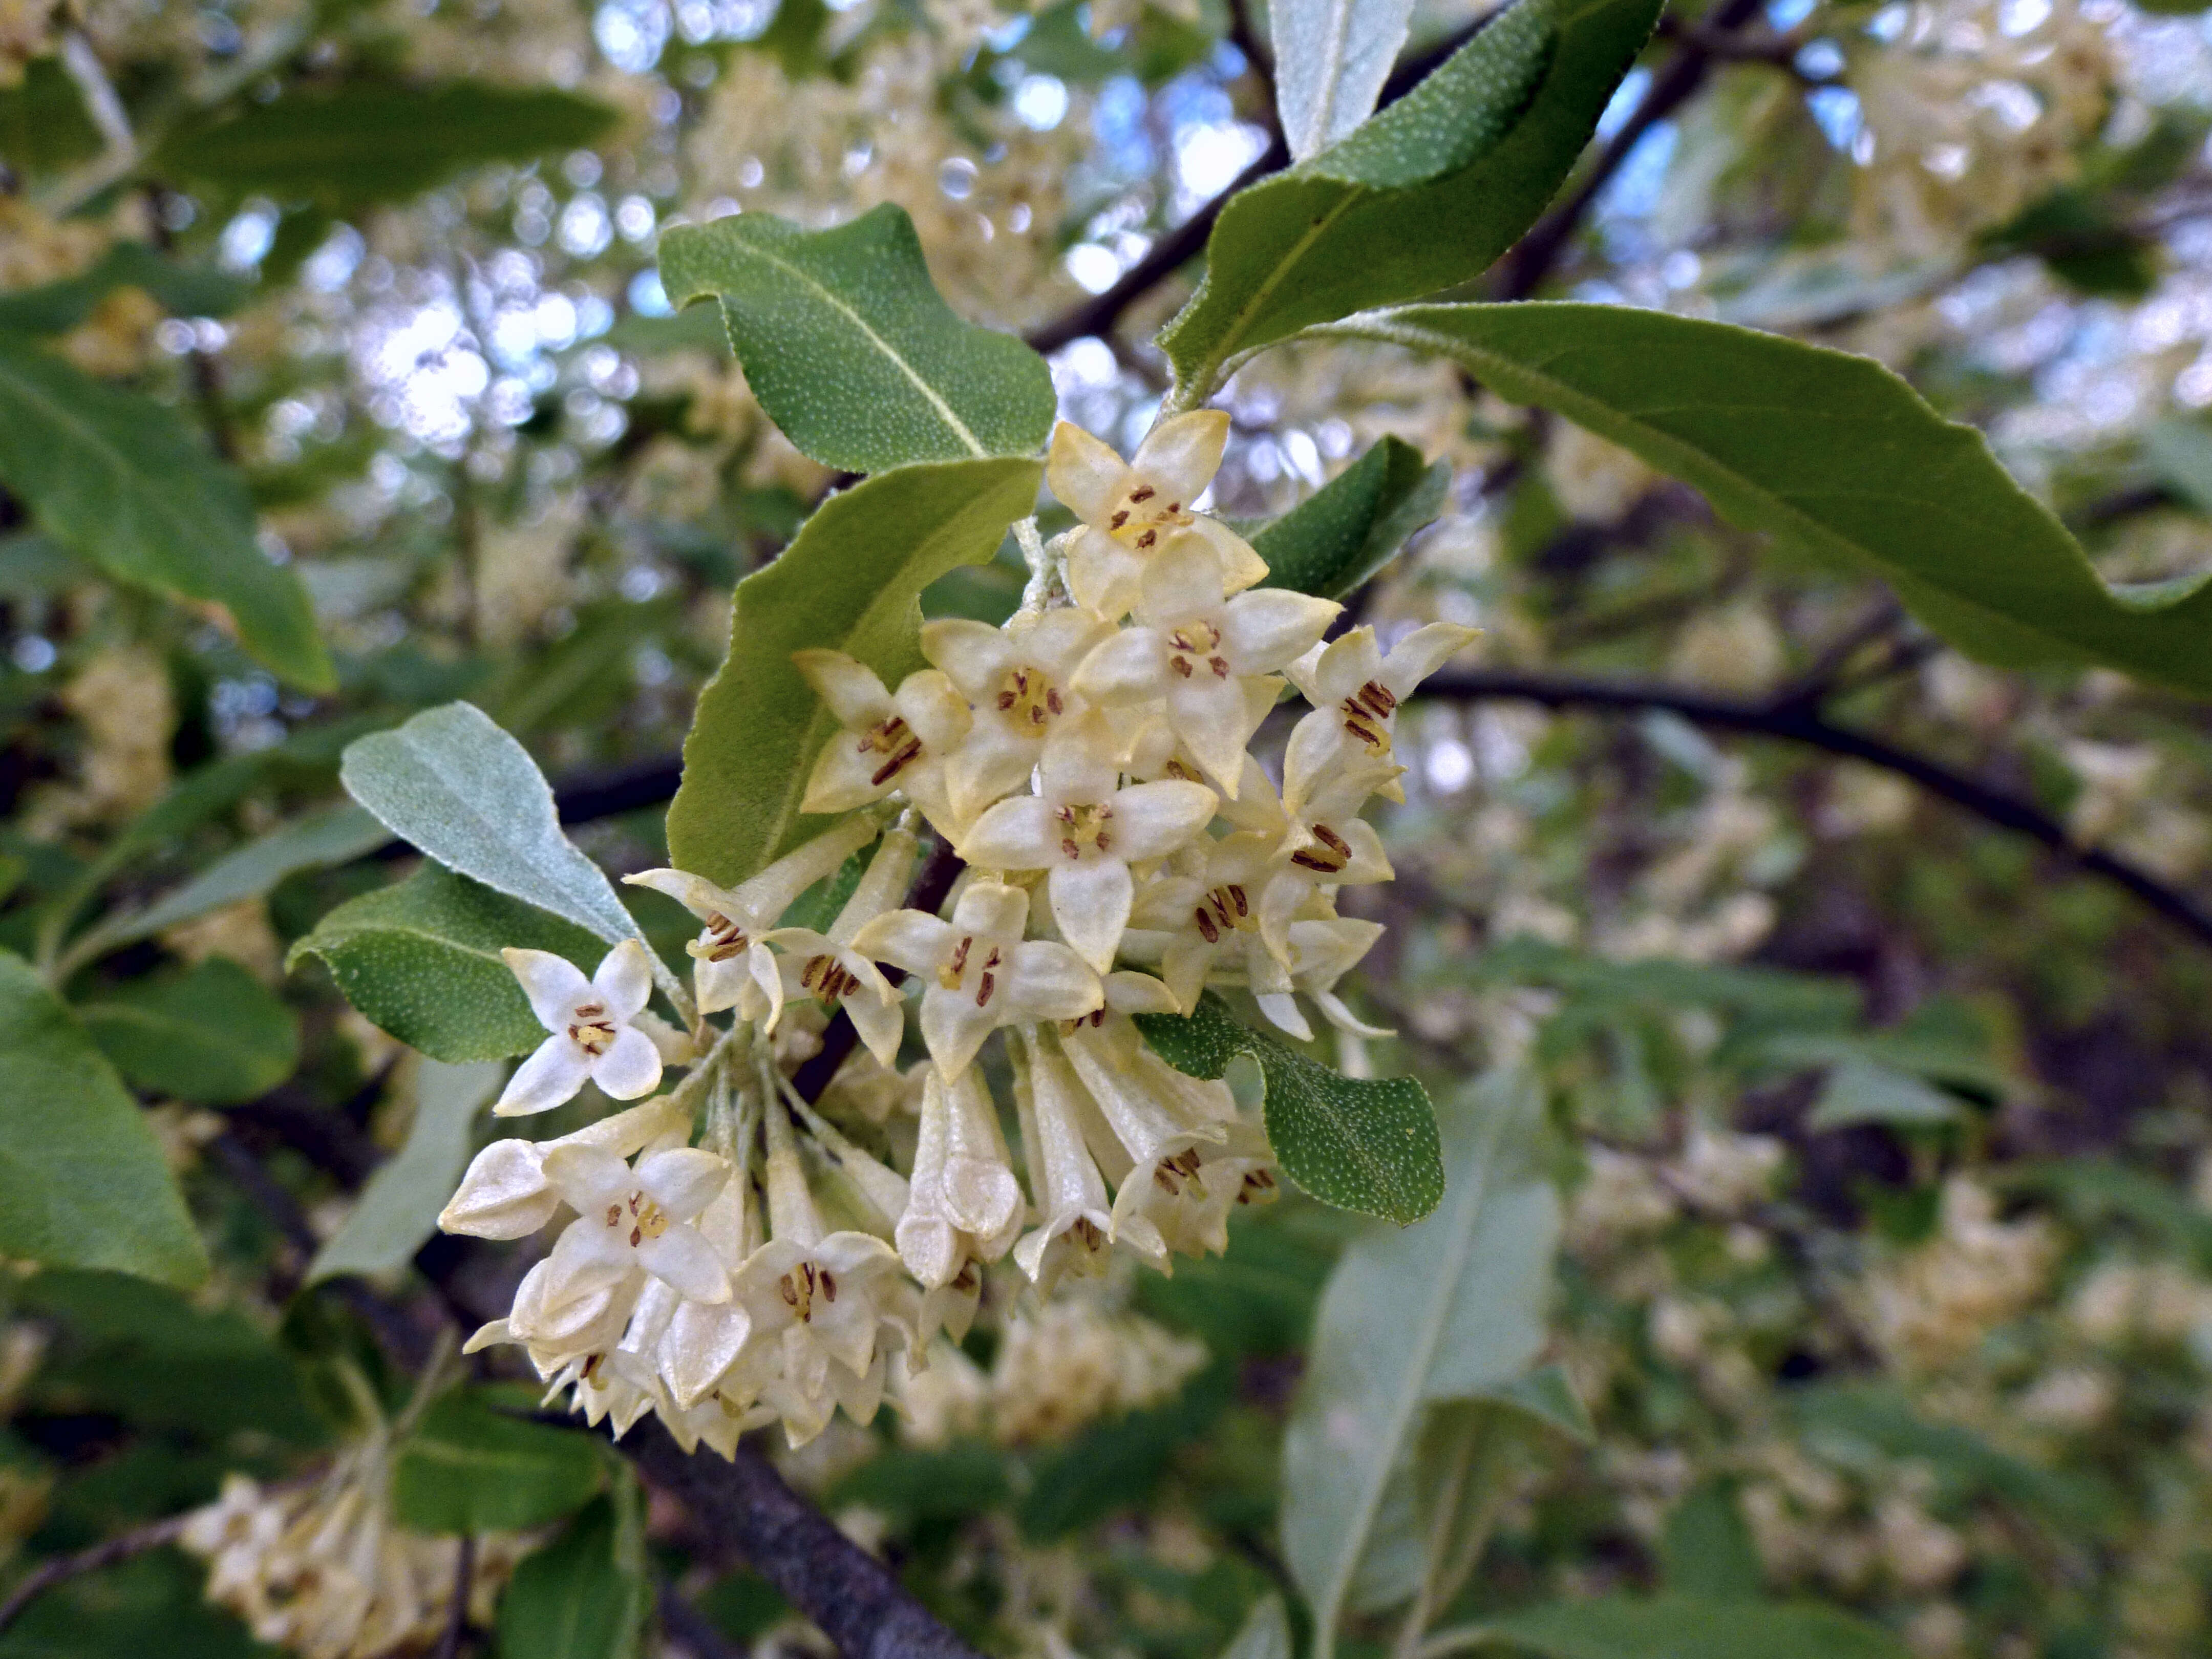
pixel 1206 655
pixel 1085 827
pixel 639 1219
pixel 1135 510
pixel 978 973
pixel 1356 691
pixel 1019 680
pixel 891 740
pixel 592 1035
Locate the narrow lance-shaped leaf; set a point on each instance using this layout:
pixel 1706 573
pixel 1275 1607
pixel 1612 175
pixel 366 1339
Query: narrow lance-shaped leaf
pixel 1358 1143
pixel 850 581
pixel 1448 1309
pixel 1690 1627
pixel 470 1467
pixel 1355 524
pixel 398 1210
pixel 373 140
pixel 850 348
pixel 1839 456
pixel 585 1595
pixel 1421 197
pixel 117 479
pixel 82 1182
pixel 421 960
pixel 1331 58
pixel 450 782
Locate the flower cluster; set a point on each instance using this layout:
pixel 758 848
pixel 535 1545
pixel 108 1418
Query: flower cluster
pixel 1088 763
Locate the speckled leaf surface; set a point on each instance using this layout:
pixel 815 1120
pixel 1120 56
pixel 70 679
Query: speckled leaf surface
pixel 851 349
pixel 1364 1144
pixel 849 582
pixel 1331 58
pixel 118 479
pixel 82 1180
pixel 1420 197
pixel 420 959
pixel 450 782
pixel 1356 523
pixel 1838 455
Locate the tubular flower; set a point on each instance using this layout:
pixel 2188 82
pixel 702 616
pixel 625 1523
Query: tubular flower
pixel 592 1035
pixel 1355 692
pixel 1019 682
pixel 826 968
pixel 891 740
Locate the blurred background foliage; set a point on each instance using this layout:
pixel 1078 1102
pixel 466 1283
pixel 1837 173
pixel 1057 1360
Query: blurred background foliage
pixel 1882 1133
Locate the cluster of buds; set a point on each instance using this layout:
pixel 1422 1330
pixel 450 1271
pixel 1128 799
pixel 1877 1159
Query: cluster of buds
pixel 732 1257
pixel 321 1569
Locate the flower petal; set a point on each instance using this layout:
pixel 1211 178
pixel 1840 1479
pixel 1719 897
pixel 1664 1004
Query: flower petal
pixel 1421 652
pixel 954 1027
pixel 1091 902
pixel 1017 834
pixel 1153 819
pixel 682 1258
pixel 1182 453
pixel 1181 581
pixel 683 1180
pixel 1103 576
pixel 913 940
pixel 1212 716
pixel 853 693
pixel 1282 1011
pixel 974 655
pixel 630 1066
pixel 624 979
pixel 591 1178
pixel 1240 566
pixel 1127 667
pixel 554 984
pixel 504 1195
pixel 700 896
pixel 1269 626
pixel 550 1077
pixel 1049 981
pixel 703 1341
pixel 992 908
pixel 881 1026
pixel 1084 473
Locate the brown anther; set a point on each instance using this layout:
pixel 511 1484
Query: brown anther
pixel 1118 519
pixel 1206 927
pixel 1053 701
pixel 1220 668
pixel 1164 1180
pixel 1327 864
pixel 1142 492
pixel 1378 698
pixel 966 1279
pixel 1329 837
pixel 1086 1233
pixel 898 762
pixel 1236 898
pixel 1148 538
pixel 984 988
pixel 829 1285
pixel 1181 665
pixel 614 1215
pixel 636 1236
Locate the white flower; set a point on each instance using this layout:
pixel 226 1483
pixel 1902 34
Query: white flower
pixel 1076 1223
pixel 1018 680
pixel 631 1220
pixel 506 1192
pixel 963 1201
pixel 1197 926
pixel 891 740
pixel 1133 511
pixel 729 955
pixel 1323 951
pixel 590 1020
pixel 1356 691
pixel 1324 846
pixel 826 968
pixel 1205 654
pixel 1085 829
pixel 980 972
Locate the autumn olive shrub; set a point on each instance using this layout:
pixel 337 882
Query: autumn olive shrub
pixel 1020 953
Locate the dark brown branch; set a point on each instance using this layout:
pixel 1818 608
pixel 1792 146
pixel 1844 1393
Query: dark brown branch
pixel 691 1630
pixel 1526 268
pixel 853 1598
pixel 121 1547
pixel 1802 725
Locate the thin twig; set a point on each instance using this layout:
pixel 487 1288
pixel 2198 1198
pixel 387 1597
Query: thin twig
pixel 1526 268
pixel 1768 718
pixel 121 1547
pixel 456 1616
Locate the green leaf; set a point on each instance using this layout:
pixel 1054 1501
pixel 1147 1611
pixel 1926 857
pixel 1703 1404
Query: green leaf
pixel 1115 1465
pixel 182 290
pixel 452 783
pixel 1445 1310
pixel 398 1210
pixel 116 478
pixel 584 1596
pixel 1707 1549
pixel 213 1034
pixel 82 1182
pixel 334 834
pixel 2181 453
pixel 1354 525
pixel 1860 1092
pixel 1838 455
pixel 1361 1144
pixel 1546 1395
pixel 1421 197
pixel 1686 1627
pixel 471 1468
pixel 1265 1634
pixel 850 348
pixel 420 959
pixel 850 583
pixel 952 1484
pixel 372 140
pixel 1331 58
